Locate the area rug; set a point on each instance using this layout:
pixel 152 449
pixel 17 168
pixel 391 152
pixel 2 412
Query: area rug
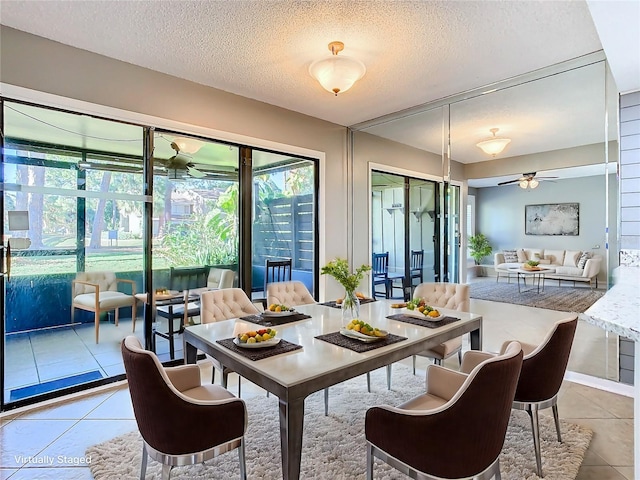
pixel 334 446
pixel 564 299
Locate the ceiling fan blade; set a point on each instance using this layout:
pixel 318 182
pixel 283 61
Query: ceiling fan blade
pixel 539 178
pixel 194 172
pixel 510 181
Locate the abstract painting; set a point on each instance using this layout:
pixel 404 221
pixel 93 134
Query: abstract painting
pixel 552 219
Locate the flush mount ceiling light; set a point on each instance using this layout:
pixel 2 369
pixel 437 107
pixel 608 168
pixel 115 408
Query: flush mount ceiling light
pixel 494 145
pixel 337 74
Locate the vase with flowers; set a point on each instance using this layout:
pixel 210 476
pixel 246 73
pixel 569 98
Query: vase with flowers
pixel 339 269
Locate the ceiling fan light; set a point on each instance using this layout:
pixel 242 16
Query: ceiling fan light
pixel 494 145
pixel 188 145
pixel 533 183
pixel 337 74
pixel 524 184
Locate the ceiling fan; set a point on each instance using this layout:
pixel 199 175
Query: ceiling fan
pixel 179 163
pixel 527 180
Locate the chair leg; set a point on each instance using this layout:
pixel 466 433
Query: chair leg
pixel 556 418
pixel 369 462
pixel 143 463
pixel 97 321
pixel 326 402
pixel 117 316
pixel 166 471
pixel 243 463
pixel 437 361
pixel 368 382
pixel 389 377
pixel 414 364
pixel 225 377
pixel 239 386
pixel 460 356
pixel 213 375
pixel 533 414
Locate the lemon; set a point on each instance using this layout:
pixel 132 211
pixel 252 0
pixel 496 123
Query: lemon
pixel 251 340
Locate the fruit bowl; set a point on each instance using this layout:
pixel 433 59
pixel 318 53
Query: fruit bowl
pixel 276 310
pixel 265 337
pixel 363 331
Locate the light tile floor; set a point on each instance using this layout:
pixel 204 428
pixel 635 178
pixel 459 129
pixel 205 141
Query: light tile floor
pixel 63 431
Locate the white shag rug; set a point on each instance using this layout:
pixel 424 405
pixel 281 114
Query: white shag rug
pixel 334 446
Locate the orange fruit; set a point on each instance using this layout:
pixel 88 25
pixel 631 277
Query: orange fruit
pixel 434 313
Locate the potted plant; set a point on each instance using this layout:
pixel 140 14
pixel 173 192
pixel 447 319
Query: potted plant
pixel 479 247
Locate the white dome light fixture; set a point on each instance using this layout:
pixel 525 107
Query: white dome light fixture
pixel 494 145
pixel 188 145
pixel 337 74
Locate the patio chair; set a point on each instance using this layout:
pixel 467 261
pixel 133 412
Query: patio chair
pixel 380 274
pixel 97 292
pixel 182 279
pixel 455 430
pixel 181 421
pixel 542 373
pixel 417 265
pixel 275 271
pixel 220 278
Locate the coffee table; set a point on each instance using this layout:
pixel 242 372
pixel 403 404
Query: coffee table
pixel 318 365
pixel 533 274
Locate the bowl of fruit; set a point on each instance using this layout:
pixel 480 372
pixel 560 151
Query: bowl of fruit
pixel 418 308
pixel 262 338
pixel 277 310
pixel 363 331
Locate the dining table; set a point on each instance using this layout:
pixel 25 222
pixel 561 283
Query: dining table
pixel 313 355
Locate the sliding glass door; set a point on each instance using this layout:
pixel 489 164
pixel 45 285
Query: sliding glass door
pixel 85 195
pixel 404 225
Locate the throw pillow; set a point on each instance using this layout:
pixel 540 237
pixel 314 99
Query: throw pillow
pixel 583 259
pixel 510 256
pixel 544 262
pixel 571 258
pixel 522 256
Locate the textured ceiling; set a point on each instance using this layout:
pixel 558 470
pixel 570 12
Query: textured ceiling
pixel 414 51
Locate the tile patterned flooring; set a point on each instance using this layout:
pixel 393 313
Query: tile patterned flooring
pixel 61 432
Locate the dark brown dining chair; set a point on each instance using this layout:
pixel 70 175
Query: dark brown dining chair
pixel 380 274
pixel 182 422
pixel 542 373
pixel 471 410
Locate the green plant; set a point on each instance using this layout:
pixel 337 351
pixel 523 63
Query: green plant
pixel 533 263
pixel 339 269
pixel 480 247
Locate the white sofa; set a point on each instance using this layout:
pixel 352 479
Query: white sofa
pixel 564 264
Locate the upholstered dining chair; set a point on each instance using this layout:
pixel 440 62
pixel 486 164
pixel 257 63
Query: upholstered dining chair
pixel 217 305
pixel 454 296
pixel 472 409
pixel 289 293
pixel 181 421
pixel 543 369
pixel 97 292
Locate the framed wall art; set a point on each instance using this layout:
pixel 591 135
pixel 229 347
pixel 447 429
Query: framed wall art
pixel 552 219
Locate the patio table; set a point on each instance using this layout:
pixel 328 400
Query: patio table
pixel 318 364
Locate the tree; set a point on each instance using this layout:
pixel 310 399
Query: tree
pixel 98 220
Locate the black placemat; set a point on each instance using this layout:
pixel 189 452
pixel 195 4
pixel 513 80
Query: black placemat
pixel 333 303
pixel 274 320
pixel 260 353
pixel 402 317
pixel 356 345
